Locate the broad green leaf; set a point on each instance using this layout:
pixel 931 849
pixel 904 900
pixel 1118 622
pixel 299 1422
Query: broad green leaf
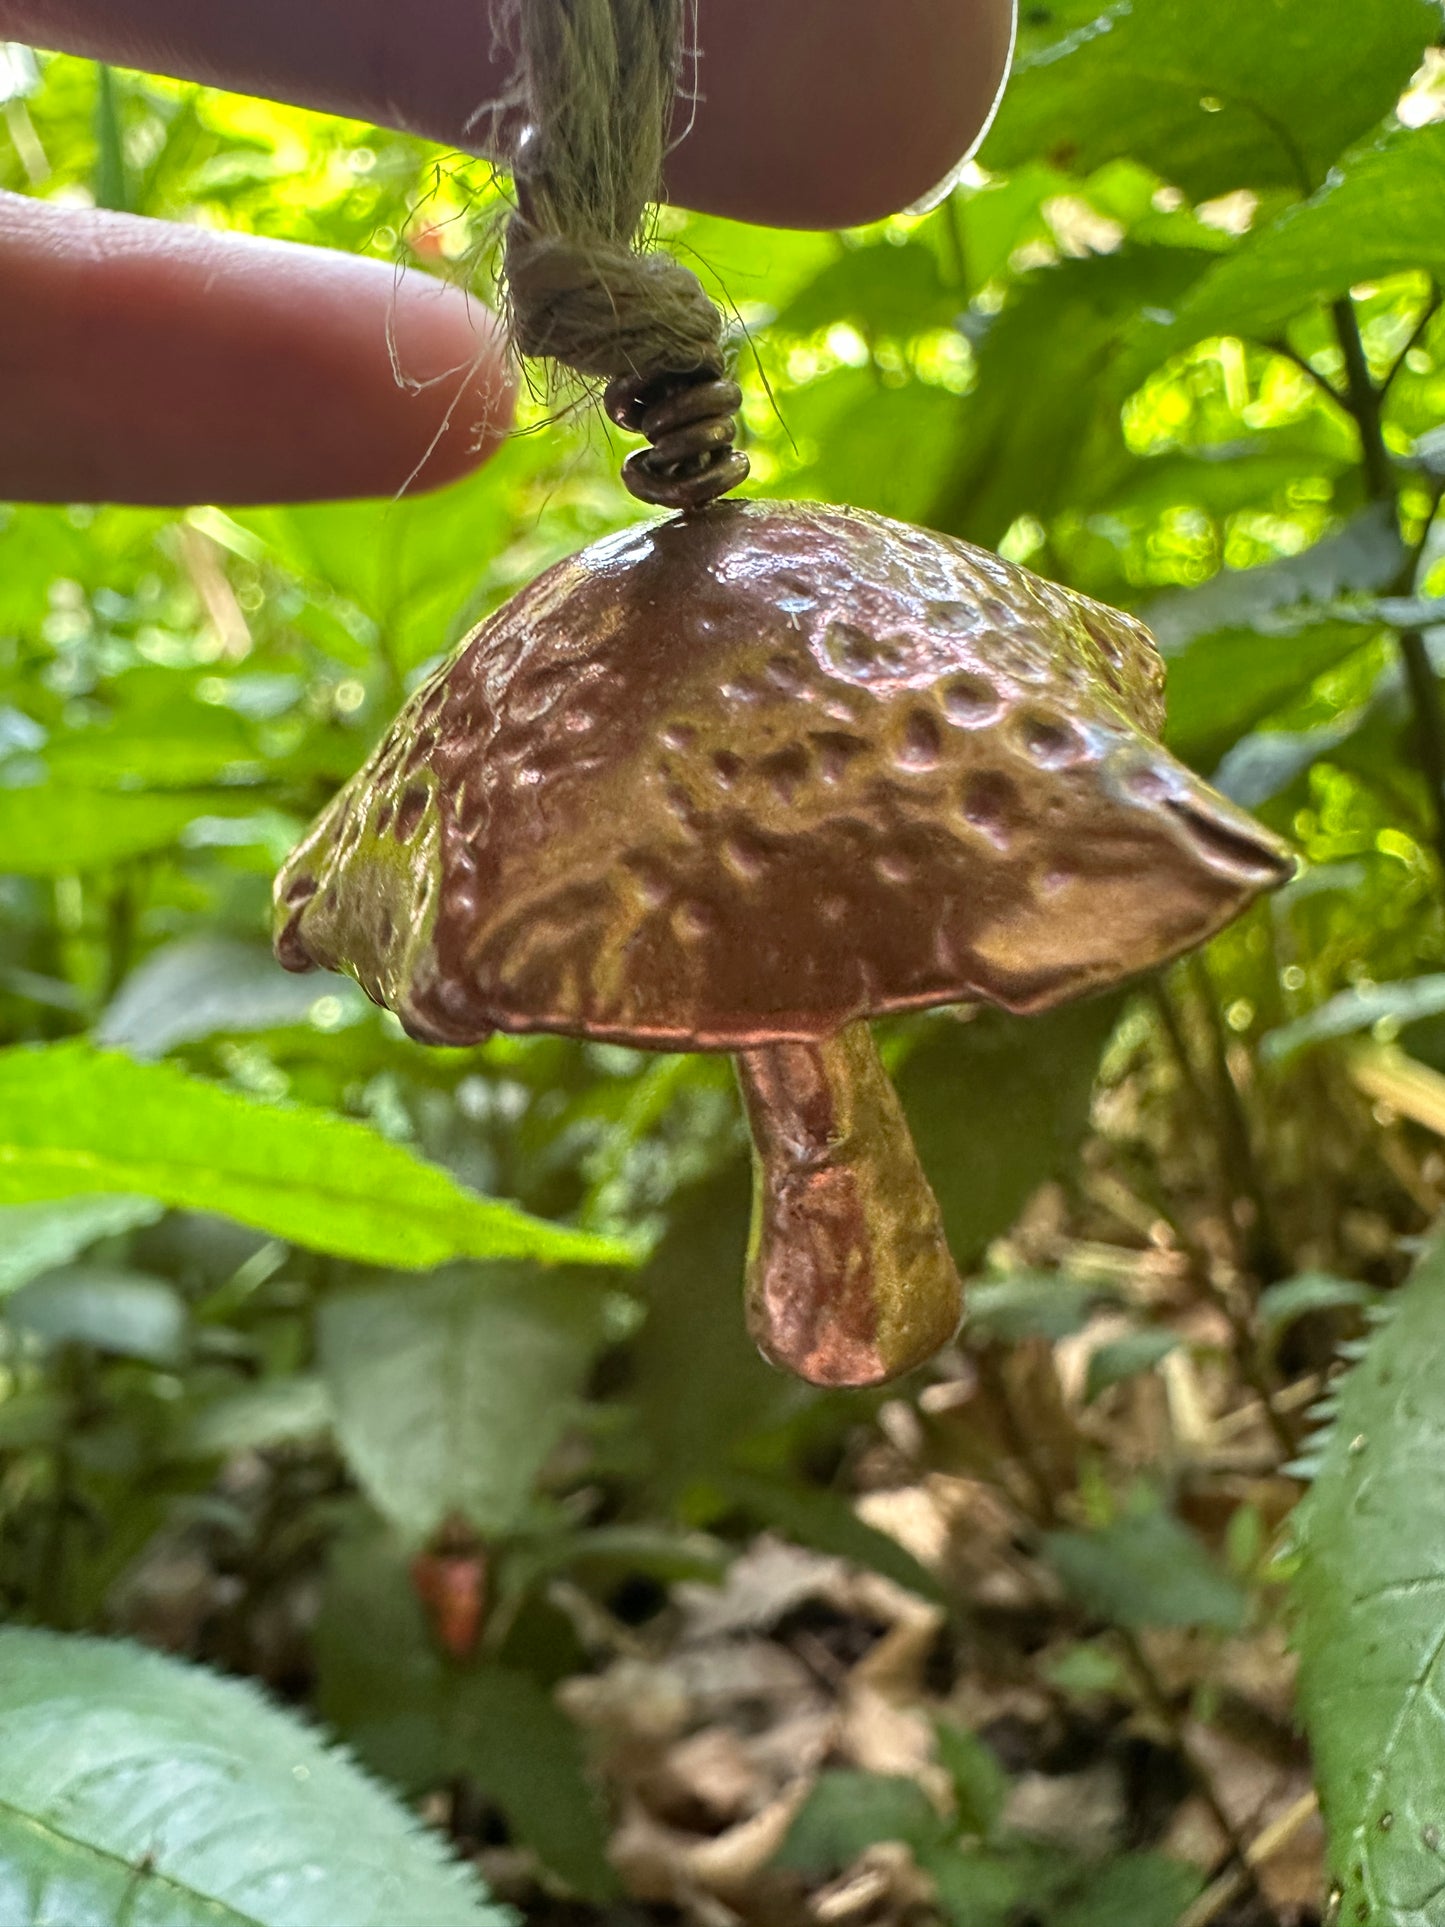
pixel 51 830
pixel 1370 1617
pixel 1041 427
pixel 123 1312
pixel 75 1120
pixel 176 744
pixel 450 1393
pixel 884 289
pixel 1281 597
pixel 996 1885
pixel 204 985
pixel 1146 1569
pixel 1241 93
pixel 693 1420
pixel 1377 215
pixel 135 1789
pixel 420 1718
pixel 998 1106
pixel 38 1237
pixel 1268 762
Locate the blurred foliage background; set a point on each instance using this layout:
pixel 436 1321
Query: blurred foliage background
pixel 412 1384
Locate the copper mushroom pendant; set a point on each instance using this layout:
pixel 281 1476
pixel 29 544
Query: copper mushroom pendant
pixel 743 780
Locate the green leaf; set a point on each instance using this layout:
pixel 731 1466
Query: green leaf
pixel 38 1237
pixel 885 289
pixel 414 565
pixel 1359 1008
pixel 1281 1305
pixel 850 429
pixel 1030 1304
pixel 848 1812
pixel 1267 762
pixel 77 1120
pixel 1377 215
pixel 1146 1569
pixel 451 1392
pixel 1370 1617
pixel 175 743
pixel 420 1719
pixel 203 985
pixel 1241 93
pixel 980 1785
pixel 995 1886
pixel 136 1789
pixel 998 1106
pixel 1243 642
pixel 1144 1889
pixel 278 1412
pixel 1041 427
pixel 122 1312
pixel 693 1420
pixel 1285 596
pixel 51 830
pixel 1127 1357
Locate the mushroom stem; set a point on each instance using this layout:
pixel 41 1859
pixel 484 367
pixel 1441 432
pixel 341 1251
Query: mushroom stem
pixel 850 1280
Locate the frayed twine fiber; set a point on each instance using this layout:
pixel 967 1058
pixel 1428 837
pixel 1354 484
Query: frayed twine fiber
pixel 596 89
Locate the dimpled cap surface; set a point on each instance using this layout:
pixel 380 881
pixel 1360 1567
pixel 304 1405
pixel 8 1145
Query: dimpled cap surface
pixel 750 774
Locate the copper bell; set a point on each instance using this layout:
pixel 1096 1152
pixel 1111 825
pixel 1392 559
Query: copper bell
pixel 743 780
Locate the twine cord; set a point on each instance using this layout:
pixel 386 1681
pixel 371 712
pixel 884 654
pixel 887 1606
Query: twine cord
pixel 596 87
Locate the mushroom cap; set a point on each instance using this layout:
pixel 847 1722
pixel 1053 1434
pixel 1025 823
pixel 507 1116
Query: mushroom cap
pixel 748 775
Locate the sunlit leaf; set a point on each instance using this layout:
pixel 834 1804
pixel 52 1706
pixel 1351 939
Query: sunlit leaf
pixel 1242 93
pixel 74 1120
pixel 1377 215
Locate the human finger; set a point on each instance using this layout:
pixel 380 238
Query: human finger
pixel 809 113
pixel 146 362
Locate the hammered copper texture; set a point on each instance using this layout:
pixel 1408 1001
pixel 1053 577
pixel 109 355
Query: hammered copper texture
pixel 850 1279
pixel 752 774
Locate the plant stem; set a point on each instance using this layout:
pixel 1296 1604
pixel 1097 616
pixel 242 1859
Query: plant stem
pixel 1157 1698
pixel 1363 399
pixel 1248 1353
pixel 1263 1251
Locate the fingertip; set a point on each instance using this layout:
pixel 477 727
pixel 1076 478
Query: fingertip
pixel 445 371
pixel 150 363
